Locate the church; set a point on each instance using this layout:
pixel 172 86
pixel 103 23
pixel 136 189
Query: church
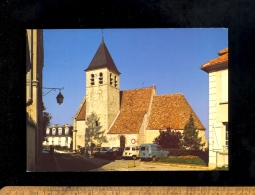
pixel 128 117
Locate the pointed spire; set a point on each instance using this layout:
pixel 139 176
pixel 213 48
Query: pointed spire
pixel 103 59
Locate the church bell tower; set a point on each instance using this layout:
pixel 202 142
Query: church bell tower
pixel 103 88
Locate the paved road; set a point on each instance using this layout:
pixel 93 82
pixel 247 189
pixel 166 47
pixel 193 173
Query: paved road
pixel 79 162
pixel 137 165
pixel 70 162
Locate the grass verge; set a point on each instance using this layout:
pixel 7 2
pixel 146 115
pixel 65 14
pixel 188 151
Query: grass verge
pixel 175 159
pixel 221 169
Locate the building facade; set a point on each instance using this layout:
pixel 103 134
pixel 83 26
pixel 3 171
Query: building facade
pixel 129 117
pixel 218 108
pixel 34 105
pixel 59 136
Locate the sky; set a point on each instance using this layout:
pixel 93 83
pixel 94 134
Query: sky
pixel 168 58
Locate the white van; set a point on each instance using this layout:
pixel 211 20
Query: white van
pixel 151 151
pixel 131 152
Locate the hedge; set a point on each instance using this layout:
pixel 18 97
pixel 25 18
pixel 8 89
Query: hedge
pixel 204 155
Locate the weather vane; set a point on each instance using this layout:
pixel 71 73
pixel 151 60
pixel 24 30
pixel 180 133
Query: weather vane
pixel 102 35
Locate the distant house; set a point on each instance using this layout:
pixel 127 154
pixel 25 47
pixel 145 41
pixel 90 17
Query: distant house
pixel 218 108
pixel 58 136
pixel 128 117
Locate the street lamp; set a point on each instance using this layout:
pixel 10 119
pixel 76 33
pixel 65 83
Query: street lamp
pixel 59 97
pixel 75 131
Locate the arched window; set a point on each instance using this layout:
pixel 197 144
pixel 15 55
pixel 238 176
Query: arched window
pixel 100 78
pixel 92 79
pixel 111 79
pixel 116 81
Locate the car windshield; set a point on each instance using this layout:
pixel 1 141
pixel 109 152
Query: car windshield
pixel 143 148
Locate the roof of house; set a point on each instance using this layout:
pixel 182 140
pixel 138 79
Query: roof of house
pixel 81 113
pixel 102 59
pixel 221 62
pixel 171 111
pixel 134 105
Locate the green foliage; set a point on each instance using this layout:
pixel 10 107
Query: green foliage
pixel 93 133
pixel 168 139
pixel 175 159
pixel 203 155
pixel 190 136
pixel 46 119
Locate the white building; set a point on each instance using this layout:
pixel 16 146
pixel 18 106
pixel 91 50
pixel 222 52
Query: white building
pixel 218 109
pixel 59 136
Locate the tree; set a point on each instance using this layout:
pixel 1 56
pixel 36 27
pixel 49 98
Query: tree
pixel 190 136
pixel 93 132
pixel 46 119
pixel 168 139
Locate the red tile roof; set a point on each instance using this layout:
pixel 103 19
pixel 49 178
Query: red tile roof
pixel 171 111
pixel 220 62
pixel 134 105
pixel 81 114
pixel 102 59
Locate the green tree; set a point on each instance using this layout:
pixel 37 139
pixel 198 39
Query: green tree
pixel 46 119
pixel 190 136
pixel 93 133
pixel 168 139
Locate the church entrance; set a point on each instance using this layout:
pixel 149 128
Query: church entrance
pixel 122 141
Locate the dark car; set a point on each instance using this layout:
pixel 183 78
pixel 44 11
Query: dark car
pixel 114 153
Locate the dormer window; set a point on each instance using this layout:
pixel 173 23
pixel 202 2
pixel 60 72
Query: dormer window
pixel 92 79
pixel 66 131
pixel 100 78
pixel 60 131
pixel 53 131
pixel 47 131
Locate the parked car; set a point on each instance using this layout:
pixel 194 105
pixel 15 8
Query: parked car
pixel 104 150
pixel 151 152
pixel 115 153
pixel 100 152
pixel 45 150
pixel 95 151
pixel 131 152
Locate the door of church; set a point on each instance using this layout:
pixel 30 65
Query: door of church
pixel 122 141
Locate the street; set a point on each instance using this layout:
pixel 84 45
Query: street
pixel 67 162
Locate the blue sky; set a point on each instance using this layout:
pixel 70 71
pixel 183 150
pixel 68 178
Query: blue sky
pixel 168 58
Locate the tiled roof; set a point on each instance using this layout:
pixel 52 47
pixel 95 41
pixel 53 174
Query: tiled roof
pixel 219 61
pixel 102 59
pixel 134 105
pixel 171 110
pixel 81 114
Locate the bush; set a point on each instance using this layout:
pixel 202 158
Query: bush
pixel 204 155
pixel 194 161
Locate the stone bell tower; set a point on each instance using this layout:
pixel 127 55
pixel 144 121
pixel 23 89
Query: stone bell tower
pixel 103 88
